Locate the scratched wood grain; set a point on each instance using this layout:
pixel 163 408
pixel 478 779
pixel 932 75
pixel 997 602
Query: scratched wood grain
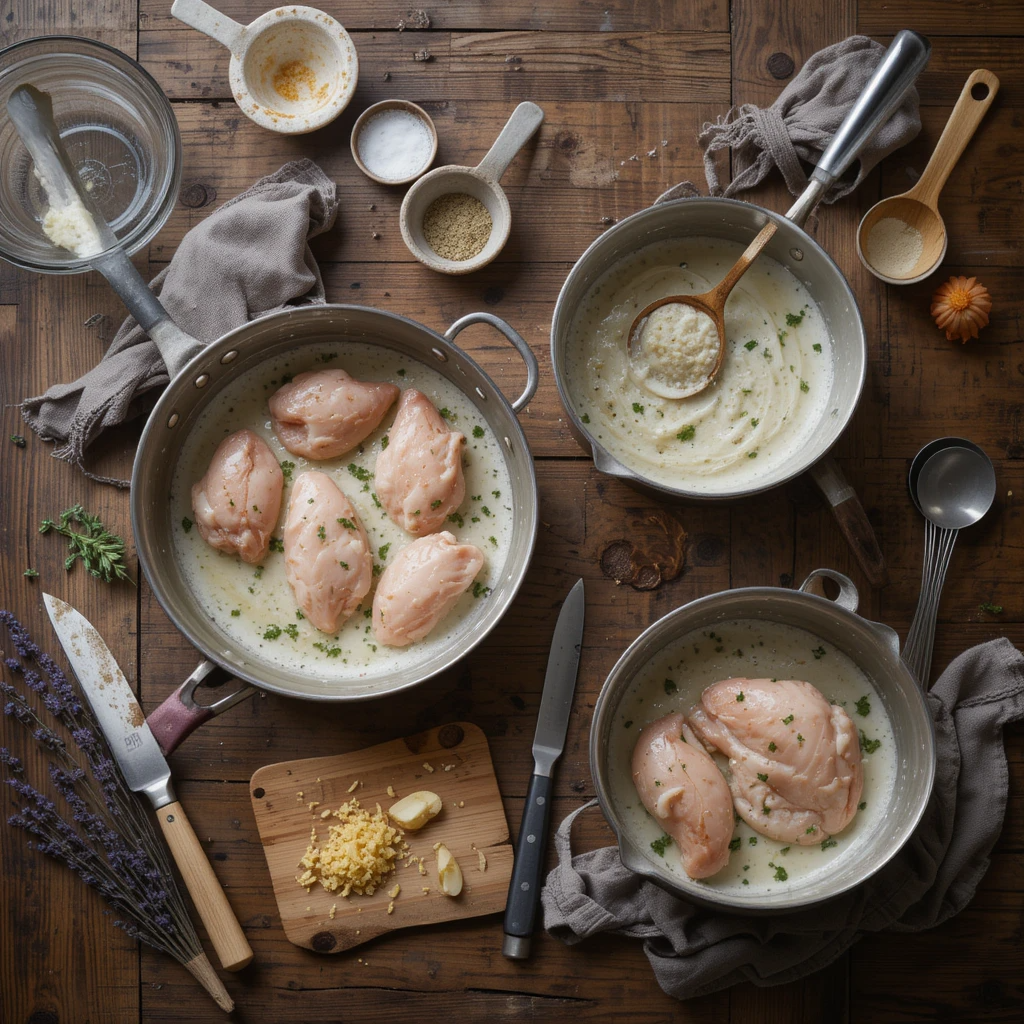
pixel 615 79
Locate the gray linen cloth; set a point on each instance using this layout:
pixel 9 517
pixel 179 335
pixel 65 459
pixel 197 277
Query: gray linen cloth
pixel 797 128
pixel 694 950
pixel 248 258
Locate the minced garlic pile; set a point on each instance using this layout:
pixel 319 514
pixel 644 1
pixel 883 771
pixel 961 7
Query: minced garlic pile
pixel 358 854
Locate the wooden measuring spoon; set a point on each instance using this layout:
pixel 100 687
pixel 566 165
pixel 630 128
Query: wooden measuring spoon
pixel 712 305
pixel 920 206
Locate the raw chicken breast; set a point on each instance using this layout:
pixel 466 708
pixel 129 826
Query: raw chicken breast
pixel 326 554
pixel 238 500
pixel 421 586
pixel 795 758
pixel 325 413
pixel 418 477
pixel 683 789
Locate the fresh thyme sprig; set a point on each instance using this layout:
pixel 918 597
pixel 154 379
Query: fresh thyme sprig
pixel 101 552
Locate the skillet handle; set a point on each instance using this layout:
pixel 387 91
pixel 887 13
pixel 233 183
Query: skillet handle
pixel 532 369
pixel 180 715
pixel 852 519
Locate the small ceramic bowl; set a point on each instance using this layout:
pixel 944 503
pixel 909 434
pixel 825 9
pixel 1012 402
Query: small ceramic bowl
pixel 480 182
pixel 379 108
pixel 293 70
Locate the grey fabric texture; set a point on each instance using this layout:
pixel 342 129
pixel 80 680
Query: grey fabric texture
pixel 248 258
pixel 694 950
pixel 796 129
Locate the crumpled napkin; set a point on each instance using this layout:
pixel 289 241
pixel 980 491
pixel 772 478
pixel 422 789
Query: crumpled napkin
pixel 694 950
pixel 797 128
pixel 250 257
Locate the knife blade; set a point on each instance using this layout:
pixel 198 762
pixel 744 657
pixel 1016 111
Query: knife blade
pixel 123 723
pixel 548 744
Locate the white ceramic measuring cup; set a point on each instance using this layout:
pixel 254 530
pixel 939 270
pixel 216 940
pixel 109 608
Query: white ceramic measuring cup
pixel 481 182
pixel 293 70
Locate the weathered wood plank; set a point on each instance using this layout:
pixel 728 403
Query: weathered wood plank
pixel 114 22
pixel 513 66
pixel 463 15
pixel 938 18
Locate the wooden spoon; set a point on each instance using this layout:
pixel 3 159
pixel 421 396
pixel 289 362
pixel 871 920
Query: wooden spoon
pixel 712 304
pixel 920 206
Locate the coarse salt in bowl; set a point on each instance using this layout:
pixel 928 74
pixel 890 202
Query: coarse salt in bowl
pixel 394 142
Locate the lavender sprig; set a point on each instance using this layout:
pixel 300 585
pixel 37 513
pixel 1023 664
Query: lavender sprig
pixel 109 841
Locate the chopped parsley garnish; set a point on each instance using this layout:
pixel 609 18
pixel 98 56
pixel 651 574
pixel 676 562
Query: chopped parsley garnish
pixel 816 347
pixel 496 494
pixel 863 706
pixel 670 686
pixel 456 519
pixel 186 523
pixel 784 850
pixel 299 615
pixel 585 418
pixel 659 846
pixel 376 569
pixel 752 455
pixel 762 777
pixel 382 551
pixel 376 500
pixel 478 431
pixel 479 590
pixel 765 809
pixel 358 472
pixel 31 574
pixel 286 469
pixel 740 697
pixel 772 747
pixel 768 354
pixel 827 844
pixel 272 633
pixel 331 652
pixel 486 511
pixel 781 874
pixel 862 805
pixel 804 386
pixel 347 523
pixel 734 844
pixel 754 422
pixel 799 739
pixel 292 630
pixel 750 345
pixel 321 532
pixel 686 434
pixel 752 841
pixel 787 720
pixel 493 540
pixel 235 612
pixel 447 414
pixel 344 565
pixel 277 544
pixel 810 831
pixel 795 319
pixel 638 408
pixel 746 881
pixel 868 746
pixel 400 371
pixel 384 442
pixel 992 609
pixel 819 653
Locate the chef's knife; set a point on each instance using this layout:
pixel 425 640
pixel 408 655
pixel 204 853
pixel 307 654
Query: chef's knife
pixel 548 744
pixel 146 771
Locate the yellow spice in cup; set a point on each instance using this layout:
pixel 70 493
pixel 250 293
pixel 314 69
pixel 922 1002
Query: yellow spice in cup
pixel 456 226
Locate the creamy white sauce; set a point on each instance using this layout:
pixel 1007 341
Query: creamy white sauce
pixel 676 346
pixel 261 596
pixel 755 650
pixel 766 402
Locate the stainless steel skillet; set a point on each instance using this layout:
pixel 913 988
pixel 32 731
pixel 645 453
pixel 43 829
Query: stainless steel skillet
pixel 796 250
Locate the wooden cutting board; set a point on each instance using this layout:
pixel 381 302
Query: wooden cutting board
pixel 472 816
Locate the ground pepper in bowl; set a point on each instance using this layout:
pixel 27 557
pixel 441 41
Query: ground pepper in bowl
pixel 457 226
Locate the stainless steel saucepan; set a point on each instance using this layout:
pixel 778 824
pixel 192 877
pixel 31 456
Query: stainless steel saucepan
pixel 796 250
pixel 873 648
pixel 199 385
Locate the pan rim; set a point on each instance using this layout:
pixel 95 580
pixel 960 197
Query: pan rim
pixel 147 559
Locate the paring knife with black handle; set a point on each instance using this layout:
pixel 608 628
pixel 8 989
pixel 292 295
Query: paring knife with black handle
pixel 548 744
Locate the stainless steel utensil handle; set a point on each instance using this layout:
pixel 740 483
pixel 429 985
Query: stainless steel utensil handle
pixel 525 120
pixel 848 596
pixel 532 369
pixel 886 89
pixel 920 645
pixel 176 347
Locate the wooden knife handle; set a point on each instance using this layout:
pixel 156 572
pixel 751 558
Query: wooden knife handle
pixel 222 926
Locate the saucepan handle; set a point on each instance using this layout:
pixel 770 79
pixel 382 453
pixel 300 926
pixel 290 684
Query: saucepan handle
pixel 180 714
pixel 886 89
pixel 532 369
pixel 848 596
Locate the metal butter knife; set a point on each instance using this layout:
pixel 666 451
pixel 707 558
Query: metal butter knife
pixel 548 744
pixel 146 771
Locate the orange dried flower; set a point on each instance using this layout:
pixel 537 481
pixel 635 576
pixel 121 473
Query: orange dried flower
pixel 960 307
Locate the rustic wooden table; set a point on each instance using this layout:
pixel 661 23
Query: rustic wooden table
pixel 615 78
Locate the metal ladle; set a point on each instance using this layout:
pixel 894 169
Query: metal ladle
pixel 31 111
pixel 953 484
pixel 712 304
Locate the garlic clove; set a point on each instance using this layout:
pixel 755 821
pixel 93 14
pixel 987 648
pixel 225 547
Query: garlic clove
pixel 412 812
pixel 449 874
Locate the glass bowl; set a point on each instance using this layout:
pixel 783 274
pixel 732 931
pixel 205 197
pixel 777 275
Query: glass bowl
pixel 119 131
